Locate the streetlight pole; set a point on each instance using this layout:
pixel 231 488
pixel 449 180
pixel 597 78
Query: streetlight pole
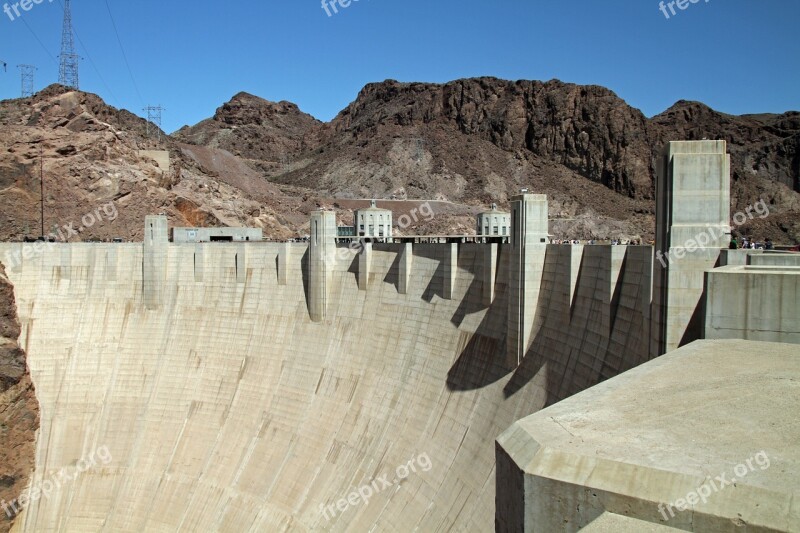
pixel 41 182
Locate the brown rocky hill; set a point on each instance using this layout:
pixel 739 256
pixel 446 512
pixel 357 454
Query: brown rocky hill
pixel 266 133
pixel 89 155
pixel 476 141
pixel 19 410
pixel 463 144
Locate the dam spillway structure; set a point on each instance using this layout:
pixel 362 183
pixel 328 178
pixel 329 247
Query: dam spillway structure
pixel 257 386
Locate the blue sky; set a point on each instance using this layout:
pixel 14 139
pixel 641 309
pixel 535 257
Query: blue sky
pixel 738 56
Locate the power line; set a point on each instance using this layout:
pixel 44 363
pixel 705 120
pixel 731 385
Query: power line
pixel 124 56
pixel 38 40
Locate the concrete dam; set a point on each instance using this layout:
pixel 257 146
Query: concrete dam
pixel 225 407
pixel 256 386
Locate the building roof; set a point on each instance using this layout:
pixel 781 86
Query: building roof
pixel 494 211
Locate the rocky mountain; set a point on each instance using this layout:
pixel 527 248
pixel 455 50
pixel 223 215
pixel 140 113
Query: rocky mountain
pixel 463 144
pixel 264 132
pixel 91 156
pixel 476 141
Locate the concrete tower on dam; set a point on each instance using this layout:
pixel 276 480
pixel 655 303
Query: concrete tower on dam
pixel 324 386
pixel 692 226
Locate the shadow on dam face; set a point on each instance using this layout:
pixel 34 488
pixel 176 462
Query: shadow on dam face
pixel 225 408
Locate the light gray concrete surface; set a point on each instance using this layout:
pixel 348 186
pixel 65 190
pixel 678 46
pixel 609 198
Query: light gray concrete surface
pixel 320 263
pixel 692 226
pixel 161 157
pixel 529 219
pixel 753 302
pixel 788 259
pixel 615 523
pixel 654 436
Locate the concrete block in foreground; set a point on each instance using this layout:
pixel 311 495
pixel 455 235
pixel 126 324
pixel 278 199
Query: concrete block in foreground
pixel 663 443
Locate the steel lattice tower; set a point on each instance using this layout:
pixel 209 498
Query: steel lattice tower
pixel 26 72
pixel 154 117
pixel 68 70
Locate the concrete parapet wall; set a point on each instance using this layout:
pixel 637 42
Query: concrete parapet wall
pixel 753 303
pixel 787 259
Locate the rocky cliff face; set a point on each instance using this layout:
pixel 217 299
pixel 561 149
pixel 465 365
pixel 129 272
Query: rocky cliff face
pixel 587 129
pixel 19 410
pixel 478 140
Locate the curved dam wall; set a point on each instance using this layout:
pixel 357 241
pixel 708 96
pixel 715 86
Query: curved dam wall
pixel 218 404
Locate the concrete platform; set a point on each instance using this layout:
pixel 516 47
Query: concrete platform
pixel 716 417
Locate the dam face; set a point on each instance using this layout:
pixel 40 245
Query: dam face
pixel 219 405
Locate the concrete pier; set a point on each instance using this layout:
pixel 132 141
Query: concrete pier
pixel 284 256
pixel 406 264
pixel 364 263
pixel 450 270
pixel 156 243
pixel 692 226
pixel 322 259
pixel 529 230
pixel 489 272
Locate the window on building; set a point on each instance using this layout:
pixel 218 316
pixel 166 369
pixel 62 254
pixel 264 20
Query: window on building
pixel 496 230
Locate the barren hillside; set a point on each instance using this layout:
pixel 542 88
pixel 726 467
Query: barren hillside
pixel 463 144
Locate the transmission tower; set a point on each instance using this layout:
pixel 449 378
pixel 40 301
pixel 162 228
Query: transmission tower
pixel 68 68
pixel 154 117
pixel 26 72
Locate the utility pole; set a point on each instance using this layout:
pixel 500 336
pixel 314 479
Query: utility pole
pixel 68 68
pixel 41 180
pixel 26 72
pixel 154 117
